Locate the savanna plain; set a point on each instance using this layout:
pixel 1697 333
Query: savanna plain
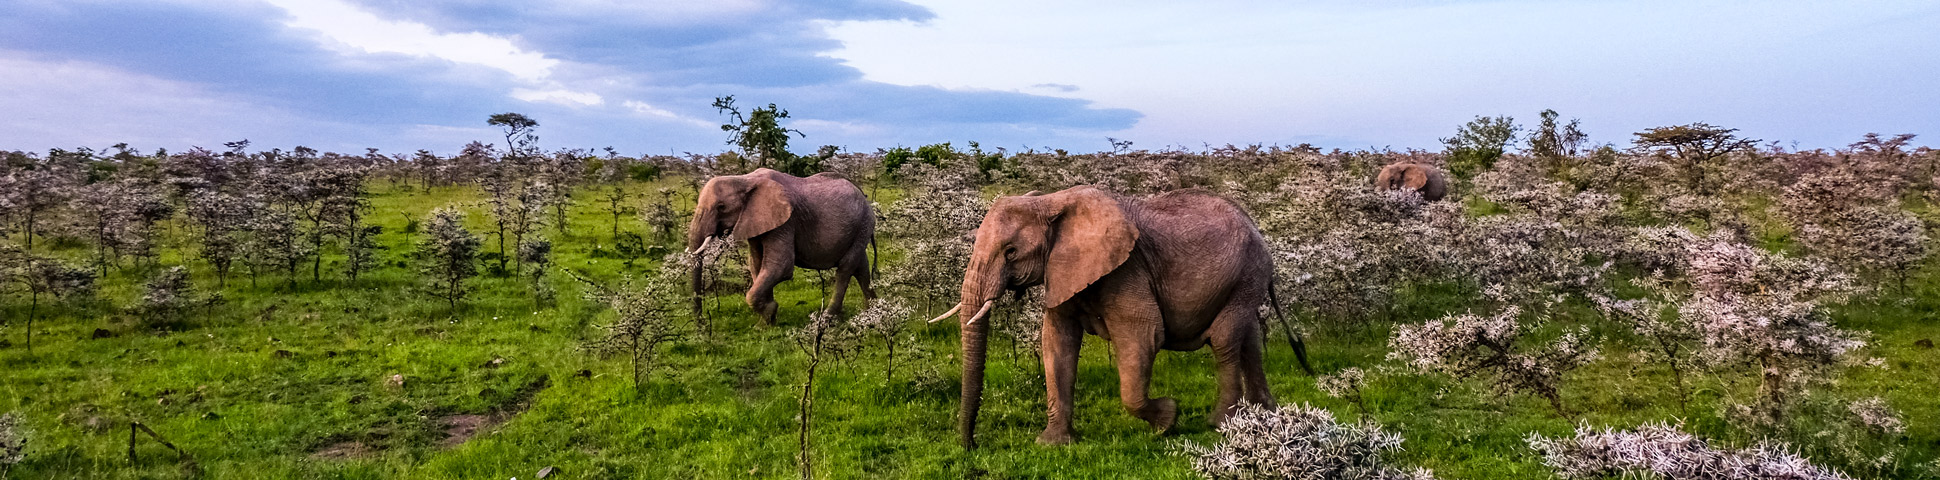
pixel 1725 306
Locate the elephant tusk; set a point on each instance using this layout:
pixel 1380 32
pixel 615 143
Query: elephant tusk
pixel 703 246
pixel 953 311
pixel 980 312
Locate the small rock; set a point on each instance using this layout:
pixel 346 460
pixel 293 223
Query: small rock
pixel 1923 343
pixel 396 381
pixel 546 472
pixel 496 361
pixel 103 333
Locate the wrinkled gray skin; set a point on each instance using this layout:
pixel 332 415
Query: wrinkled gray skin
pixel 1413 176
pixel 821 222
pixel 1178 272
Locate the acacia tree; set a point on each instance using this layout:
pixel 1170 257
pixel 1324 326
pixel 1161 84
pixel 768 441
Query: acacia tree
pixel 616 205
pixel 520 136
pixel 40 277
pixel 447 255
pixel 1696 149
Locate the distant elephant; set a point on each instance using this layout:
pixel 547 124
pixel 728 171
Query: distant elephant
pixel 1413 176
pixel 821 222
pixel 1177 271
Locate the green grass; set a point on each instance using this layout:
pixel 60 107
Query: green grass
pixel 217 387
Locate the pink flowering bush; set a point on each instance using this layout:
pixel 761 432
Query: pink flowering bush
pixel 1497 347
pixel 1663 451
pixel 1300 442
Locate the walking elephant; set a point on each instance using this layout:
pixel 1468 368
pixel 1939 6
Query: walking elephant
pixel 1413 176
pixel 1176 272
pixel 821 222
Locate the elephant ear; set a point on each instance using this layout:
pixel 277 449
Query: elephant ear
pixel 1093 237
pixel 767 207
pixel 1416 178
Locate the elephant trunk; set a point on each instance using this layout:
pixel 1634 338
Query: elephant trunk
pixel 983 283
pixel 699 233
pixel 975 337
pixel 701 229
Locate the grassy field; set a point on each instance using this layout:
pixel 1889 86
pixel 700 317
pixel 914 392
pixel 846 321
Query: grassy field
pixel 290 378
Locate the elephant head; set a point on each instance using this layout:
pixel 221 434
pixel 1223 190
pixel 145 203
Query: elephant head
pixel 741 205
pixel 1064 241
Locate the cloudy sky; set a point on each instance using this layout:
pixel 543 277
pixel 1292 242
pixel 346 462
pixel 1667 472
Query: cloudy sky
pixel 401 75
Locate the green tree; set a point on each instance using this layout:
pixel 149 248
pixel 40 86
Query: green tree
pixel 1478 144
pixel 1556 143
pixel 760 135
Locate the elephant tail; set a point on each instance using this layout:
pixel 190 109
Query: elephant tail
pixel 1293 339
pixel 875 256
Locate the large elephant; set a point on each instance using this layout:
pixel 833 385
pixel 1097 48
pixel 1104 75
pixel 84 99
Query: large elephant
pixel 821 222
pixel 1413 176
pixel 1175 272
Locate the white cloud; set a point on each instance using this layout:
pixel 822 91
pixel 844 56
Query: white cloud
pixel 645 108
pixel 357 29
pixel 558 96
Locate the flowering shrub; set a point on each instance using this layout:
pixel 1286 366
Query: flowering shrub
pixel 1300 442
pixel 1347 385
pixel 888 319
pixel 644 316
pixel 446 255
pixel 1664 451
pixel 1766 311
pixel 13 442
pixel 1469 345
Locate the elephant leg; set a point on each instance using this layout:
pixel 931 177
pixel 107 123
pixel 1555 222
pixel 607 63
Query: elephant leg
pixel 1136 344
pixel 776 266
pixel 841 293
pixel 859 270
pixel 1236 342
pixel 862 279
pixel 1061 340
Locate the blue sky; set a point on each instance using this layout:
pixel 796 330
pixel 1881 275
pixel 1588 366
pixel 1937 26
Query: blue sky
pixel 400 75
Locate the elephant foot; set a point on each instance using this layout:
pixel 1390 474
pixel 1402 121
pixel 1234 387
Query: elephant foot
pixel 1055 436
pixel 1162 413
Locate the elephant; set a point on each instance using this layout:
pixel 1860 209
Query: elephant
pixel 1413 176
pixel 1176 272
pixel 821 222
